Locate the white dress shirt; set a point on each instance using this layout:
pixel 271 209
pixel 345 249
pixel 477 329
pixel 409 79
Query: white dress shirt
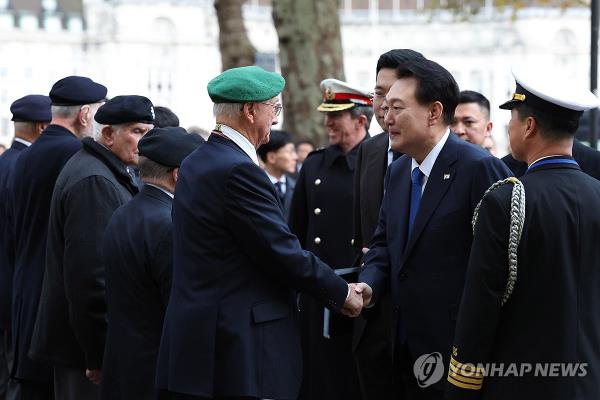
pixel 240 140
pixel 275 180
pixel 427 165
pixel 23 141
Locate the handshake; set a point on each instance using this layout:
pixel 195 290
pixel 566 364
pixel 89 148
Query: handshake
pixel 359 296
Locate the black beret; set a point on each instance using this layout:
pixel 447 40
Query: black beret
pixel 33 107
pixel 124 109
pixel 277 140
pixel 76 91
pixel 168 146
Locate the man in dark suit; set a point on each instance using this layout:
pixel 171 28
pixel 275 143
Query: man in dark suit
pixel 279 161
pixel 70 327
pixel 137 253
pixel 231 326
pixel 31 115
pixel 422 243
pixel 372 341
pixel 535 303
pixel 74 102
pixel 321 217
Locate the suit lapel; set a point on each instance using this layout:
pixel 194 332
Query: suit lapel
pixel 438 183
pixel 399 190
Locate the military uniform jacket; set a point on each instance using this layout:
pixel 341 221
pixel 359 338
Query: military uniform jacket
pixel 137 253
pixel 231 325
pixel 32 183
pixel 321 211
pixel 71 323
pixel 553 314
pixel 426 270
pixel 7 162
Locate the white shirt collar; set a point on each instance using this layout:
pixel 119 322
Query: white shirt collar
pixel 240 140
pixel 171 195
pixel 427 164
pixel 275 180
pixel 541 158
pixel 23 141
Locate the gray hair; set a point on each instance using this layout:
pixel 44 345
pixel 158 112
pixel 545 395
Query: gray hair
pixel 367 111
pixel 97 129
pixel 65 111
pixel 231 110
pixel 152 170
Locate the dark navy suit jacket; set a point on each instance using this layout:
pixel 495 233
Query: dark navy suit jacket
pixel 137 253
pixel 7 162
pixel 33 179
pixel 231 324
pixel 426 271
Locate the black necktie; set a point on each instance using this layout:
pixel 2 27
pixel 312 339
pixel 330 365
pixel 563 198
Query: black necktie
pixel 279 190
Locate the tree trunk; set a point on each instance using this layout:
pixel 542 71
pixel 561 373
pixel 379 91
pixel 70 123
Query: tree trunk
pixel 310 50
pixel 234 44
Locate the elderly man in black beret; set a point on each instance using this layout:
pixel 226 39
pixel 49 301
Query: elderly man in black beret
pixel 31 115
pixel 75 100
pixel 231 326
pixel 71 323
pixel 137 250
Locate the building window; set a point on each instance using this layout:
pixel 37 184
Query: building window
pixel 49 5
pixel 6 22
pixel 75 25
pixel 52 23
pixel 28 22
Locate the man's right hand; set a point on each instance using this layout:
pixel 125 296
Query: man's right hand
pixel 354 302
pixel 366 292
pixel 94 375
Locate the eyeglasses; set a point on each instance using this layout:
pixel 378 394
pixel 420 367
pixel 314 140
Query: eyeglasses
pixel 276 108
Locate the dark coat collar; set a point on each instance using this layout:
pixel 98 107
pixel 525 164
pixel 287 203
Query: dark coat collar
pixel 156 193
pixel 217 137
pixel 57 130
pixel 333 152
pixel 113 163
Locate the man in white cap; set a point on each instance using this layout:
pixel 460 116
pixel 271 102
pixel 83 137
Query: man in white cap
pixel 321 217
pixel 534 305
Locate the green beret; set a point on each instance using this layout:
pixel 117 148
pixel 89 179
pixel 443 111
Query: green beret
pixel 245 85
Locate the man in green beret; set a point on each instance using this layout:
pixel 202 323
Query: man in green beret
pixel 231 326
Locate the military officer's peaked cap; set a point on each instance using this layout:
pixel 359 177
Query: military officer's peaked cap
pixel 76 91
pixel 250 84
pixel 338 96
pixel 168 146
pixel 550 96
pixel 124 109
pixel 31 108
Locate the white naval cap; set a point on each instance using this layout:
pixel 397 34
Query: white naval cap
pixel 550 95
pixel 339 95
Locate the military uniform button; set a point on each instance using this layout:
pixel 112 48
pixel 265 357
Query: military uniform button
pixel 317 182
pixel 352 242
pixel 317 240
pixel 317 211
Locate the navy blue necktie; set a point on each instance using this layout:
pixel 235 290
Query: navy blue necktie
pixel 279 190
pixel 415 196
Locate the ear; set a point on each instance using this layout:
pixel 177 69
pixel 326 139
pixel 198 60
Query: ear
pixel 39 127
pixel 249 112
pixel 530 128
pixel 361 121
pixel 83 116
pixel 175 174
pixel 488 128
pixel 108 135
pixel 271 157
pixel 435 113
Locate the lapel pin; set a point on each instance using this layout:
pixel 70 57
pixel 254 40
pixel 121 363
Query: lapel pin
pixel 446 176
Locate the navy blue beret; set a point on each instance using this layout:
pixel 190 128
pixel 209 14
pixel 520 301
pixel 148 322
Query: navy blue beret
pixel 33 107
pixel 168 146
pixel 76 91
pixel 124 109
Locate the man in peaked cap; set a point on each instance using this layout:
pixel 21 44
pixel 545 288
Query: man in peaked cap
pixel 71 324
pixel 548 325
pixel 137 251
pixel 230 329
pixel 321 217
pixel 75 101
pixel 31 115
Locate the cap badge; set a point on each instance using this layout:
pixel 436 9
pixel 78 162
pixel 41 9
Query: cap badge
pixel 152 112
pixel 518 97
pixel 329 94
